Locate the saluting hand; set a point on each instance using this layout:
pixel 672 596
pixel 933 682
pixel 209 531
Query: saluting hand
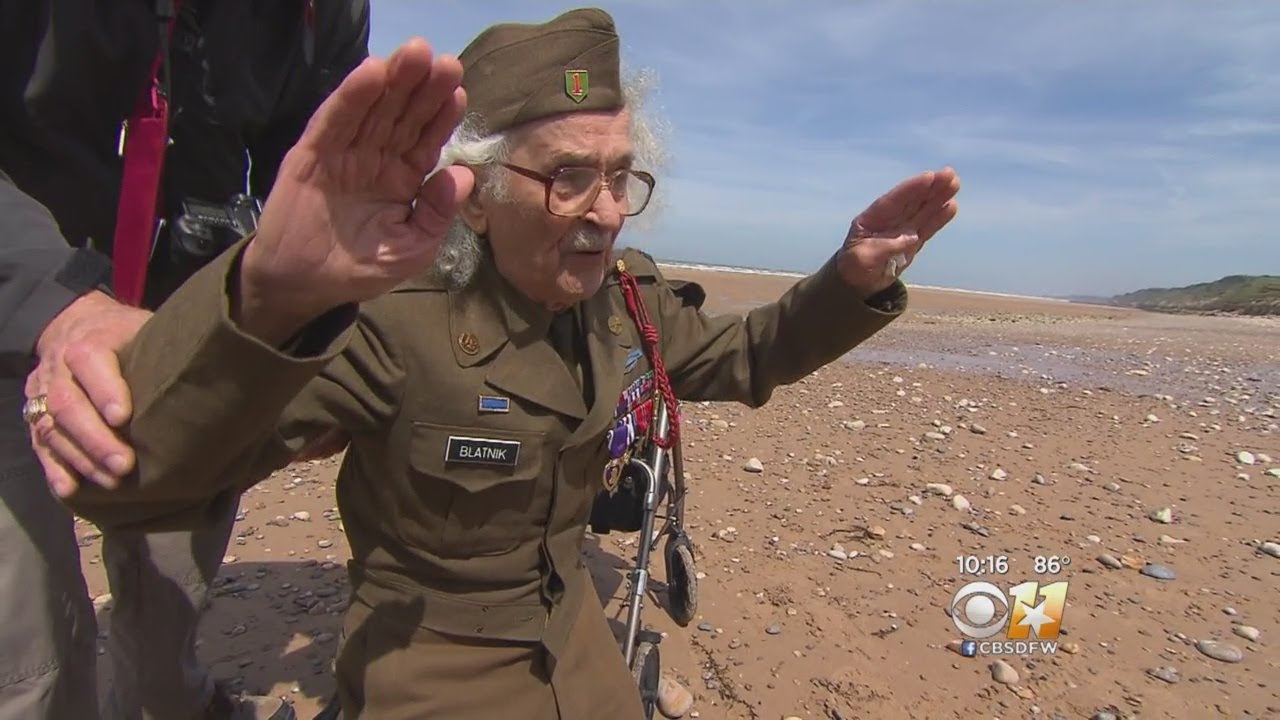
pixel 349 216
pixel 885 238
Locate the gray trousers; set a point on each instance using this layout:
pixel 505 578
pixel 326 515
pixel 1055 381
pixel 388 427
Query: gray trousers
pixel 48 632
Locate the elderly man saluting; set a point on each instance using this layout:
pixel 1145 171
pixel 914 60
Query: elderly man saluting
pixel 472 336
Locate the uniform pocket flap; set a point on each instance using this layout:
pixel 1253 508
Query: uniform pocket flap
pixel 472 458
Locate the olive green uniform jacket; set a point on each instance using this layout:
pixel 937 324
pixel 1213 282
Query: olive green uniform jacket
pixel 465 522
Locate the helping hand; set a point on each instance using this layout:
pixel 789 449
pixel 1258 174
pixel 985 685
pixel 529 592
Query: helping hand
pixel 349 216
pixel 84 394
pixel 886 237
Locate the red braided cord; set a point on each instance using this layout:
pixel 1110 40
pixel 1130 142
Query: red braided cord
pixel 649 337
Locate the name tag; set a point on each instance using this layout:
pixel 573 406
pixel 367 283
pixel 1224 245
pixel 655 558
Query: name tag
pixel 482 451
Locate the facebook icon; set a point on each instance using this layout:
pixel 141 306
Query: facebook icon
pixel 969 648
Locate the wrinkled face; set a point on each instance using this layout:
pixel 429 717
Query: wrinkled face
pixel 555 260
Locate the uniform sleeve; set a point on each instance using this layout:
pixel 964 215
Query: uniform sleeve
pixel 216 410
pixel 744 359
pixel 341 43
pixel 32 253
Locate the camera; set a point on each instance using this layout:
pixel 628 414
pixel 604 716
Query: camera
pixel 203 229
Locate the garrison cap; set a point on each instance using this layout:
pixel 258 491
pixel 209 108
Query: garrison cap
pixel 518 72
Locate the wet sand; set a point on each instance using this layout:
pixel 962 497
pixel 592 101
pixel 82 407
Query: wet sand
pixel 1073 431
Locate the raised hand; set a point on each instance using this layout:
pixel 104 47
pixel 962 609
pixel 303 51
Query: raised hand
pixel 886 237
pixel 349 216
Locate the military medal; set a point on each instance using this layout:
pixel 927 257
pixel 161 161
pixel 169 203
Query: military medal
pixel 632 417
pixel 613 472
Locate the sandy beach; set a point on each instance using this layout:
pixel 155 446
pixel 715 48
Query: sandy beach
pixel 1142 450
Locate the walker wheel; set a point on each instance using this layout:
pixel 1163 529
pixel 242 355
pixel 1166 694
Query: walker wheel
pixel 646 668
pixel 682 580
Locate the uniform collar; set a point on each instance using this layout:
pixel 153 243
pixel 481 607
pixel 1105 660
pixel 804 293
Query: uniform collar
pixel 492 323
pixel 489 312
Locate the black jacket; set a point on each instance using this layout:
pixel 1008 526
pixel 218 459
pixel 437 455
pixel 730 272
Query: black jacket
pixel 70 73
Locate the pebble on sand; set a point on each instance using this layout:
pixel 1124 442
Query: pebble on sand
pixel 754 466
pixel 1270 548
pixel 674 700
pixel 1158 571
pixel 1003 672
pixel 1221 651
pixel 1247 632
pixel 1163 515
pixel 1133 562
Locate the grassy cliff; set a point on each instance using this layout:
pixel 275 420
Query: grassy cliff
pixel 1235 294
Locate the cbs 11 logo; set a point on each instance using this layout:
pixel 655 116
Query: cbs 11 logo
pixel 980 611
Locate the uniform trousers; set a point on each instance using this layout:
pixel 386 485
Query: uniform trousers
pixel 48 632
pixel 389 667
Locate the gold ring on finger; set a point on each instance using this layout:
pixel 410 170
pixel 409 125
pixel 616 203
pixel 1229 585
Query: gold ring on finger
pixel 35 408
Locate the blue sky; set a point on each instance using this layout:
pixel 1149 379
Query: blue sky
pixel 1102 146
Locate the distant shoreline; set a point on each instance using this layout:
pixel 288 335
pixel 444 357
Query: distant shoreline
pixel 791 274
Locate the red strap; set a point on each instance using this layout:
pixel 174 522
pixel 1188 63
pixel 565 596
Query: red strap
pixel 649 338
pixel 146 136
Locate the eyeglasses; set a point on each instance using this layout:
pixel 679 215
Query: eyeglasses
pixel 571 191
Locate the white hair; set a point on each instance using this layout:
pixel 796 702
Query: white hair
pixel 471 145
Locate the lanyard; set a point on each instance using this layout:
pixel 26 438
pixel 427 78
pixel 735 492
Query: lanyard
pixel 146 135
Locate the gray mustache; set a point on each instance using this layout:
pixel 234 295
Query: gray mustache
pixel 589 241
